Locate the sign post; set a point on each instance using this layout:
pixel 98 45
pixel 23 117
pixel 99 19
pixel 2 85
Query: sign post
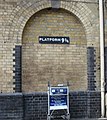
pixel 58 99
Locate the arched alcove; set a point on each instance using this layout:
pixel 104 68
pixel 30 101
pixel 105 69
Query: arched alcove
pixel 57 63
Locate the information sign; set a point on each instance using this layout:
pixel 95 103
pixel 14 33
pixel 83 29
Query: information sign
pixel 58 98
pixel 58 102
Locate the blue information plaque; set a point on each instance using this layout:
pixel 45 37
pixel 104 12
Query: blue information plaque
pixel 58 98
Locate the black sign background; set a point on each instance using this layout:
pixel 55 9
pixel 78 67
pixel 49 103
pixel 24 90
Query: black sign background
pixel 54 40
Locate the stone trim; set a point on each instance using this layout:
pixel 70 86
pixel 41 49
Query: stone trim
pixel 55 4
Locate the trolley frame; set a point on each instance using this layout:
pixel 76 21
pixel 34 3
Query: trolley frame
pixel 58 99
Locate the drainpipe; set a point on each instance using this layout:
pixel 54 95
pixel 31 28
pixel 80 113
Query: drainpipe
pixel 101 14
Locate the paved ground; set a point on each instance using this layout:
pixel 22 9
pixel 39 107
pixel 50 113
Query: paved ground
pixel 84 119
pixel 89 119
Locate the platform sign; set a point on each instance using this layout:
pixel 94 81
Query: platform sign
pixel 54 40
pixel 58 98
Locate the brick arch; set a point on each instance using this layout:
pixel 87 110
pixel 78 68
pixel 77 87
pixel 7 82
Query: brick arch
pixel 82 12
pixel 25 10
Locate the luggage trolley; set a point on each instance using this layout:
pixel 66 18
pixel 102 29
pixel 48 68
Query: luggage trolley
pixel 58 99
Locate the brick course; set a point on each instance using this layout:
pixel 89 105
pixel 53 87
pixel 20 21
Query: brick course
pixel 30 106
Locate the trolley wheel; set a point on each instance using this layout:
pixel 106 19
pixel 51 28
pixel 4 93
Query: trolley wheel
pixel 48 117
pixel 68 117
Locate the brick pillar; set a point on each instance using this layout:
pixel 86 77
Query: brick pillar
pixel 91 68
pixel 18 67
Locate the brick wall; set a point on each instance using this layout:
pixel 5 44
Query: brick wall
pixel 85 104
pixel 36 106
pixel 81 25
pixel 32 106
pixel 21 22
pixel 11 106
pixel 14 16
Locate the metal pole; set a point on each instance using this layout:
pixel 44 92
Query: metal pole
pixel 101 14
pixel 48 116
